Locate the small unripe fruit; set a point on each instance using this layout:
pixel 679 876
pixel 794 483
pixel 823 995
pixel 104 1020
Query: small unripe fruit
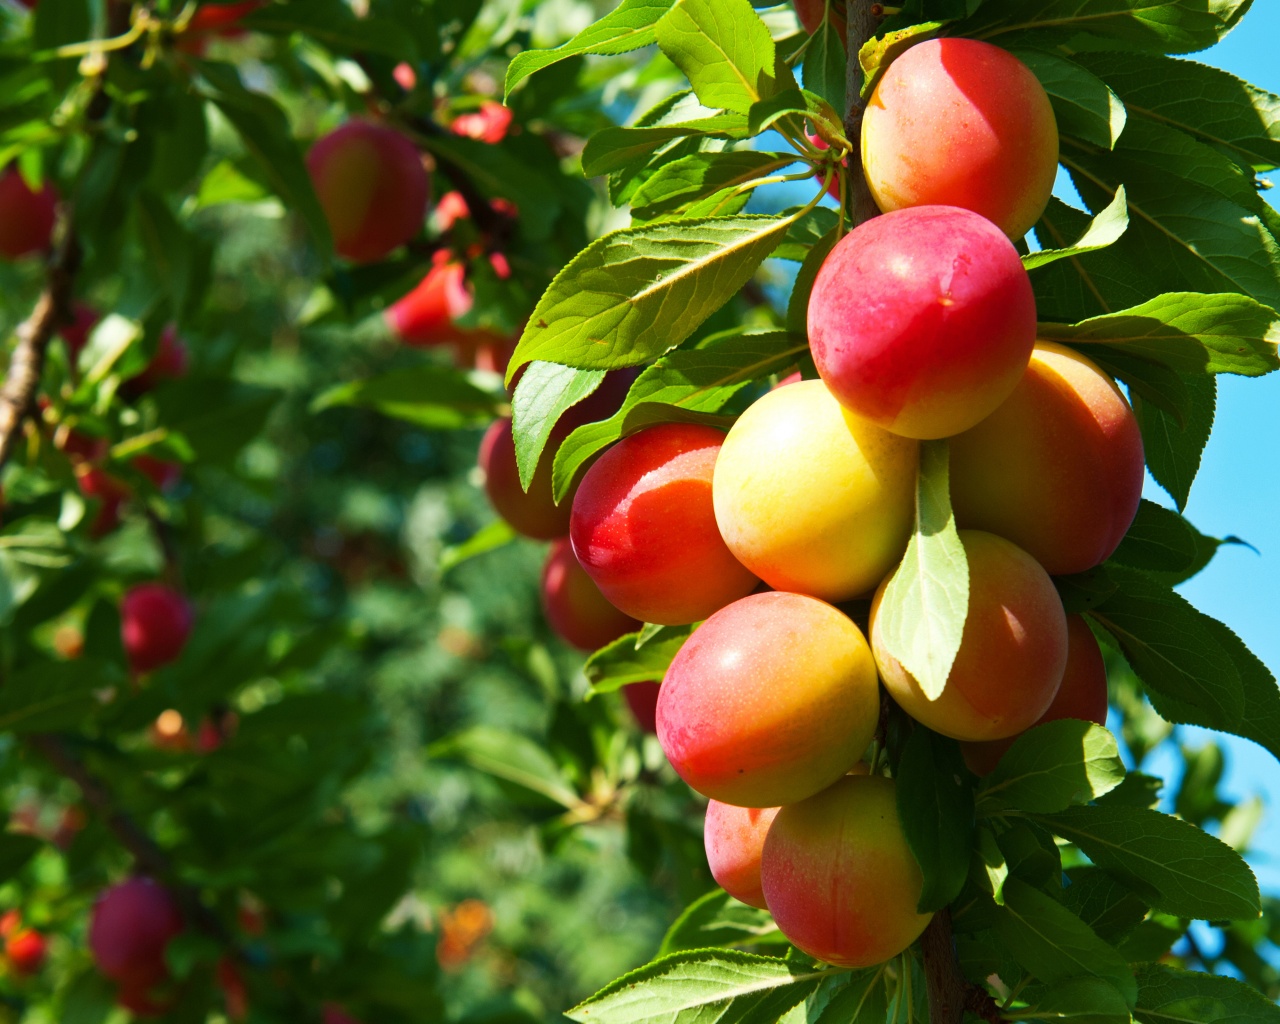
pixel 27 950
pixel 644 527
pixel 573 604
pixel 26 217
pixel 100 486
pixel 171 361
pixel 958 122
pixel 155 621
pixel 373 188
pixel 923 321
pixel 734 840
pixel 1082 694
pixel 839 878
pixel 487 124
pixel 332 1013
pixel 1057 468
pixel 642 699
pixel 812 498
pixel 426 315
pixel 769 701
pixel 1012 653
pixel 130 929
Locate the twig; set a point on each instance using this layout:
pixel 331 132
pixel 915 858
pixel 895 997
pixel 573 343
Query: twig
pixel 860 26
pixel 26 365
pixel 149 858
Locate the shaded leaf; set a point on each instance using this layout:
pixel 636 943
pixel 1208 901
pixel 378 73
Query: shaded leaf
pixel 717 919
pixel 1167 995
pixel 935 803
pixel 1053 944
pixel 1170 645
pixel 1171 864
pixel 627 661
pixel 545 392
pixel 1083 105
pixel 432 396
pixel 1102 231
pixel 1053 766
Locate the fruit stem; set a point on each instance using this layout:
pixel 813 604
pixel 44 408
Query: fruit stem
pixel 860 27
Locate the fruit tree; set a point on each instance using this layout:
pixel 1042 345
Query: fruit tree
pixel 667 511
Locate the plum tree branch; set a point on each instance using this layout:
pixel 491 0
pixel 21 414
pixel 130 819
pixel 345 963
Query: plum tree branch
pixel 149 858
pixel 951 994
pixel 862 19
pixel 26 365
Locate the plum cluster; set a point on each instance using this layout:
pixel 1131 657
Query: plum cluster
pixel 922 326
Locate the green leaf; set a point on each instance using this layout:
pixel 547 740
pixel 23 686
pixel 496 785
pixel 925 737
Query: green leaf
pixel 432 396
pixel 825 67
pixel 264 130
pixel 1186 331
pixel 1053 766
pixel 633 294
pixel 681 182
pixel 1163 543
pixel 1170 645
pixel 924 607
pixel 1260 720
pixel 1053 944
pixel 626 660
pixel 1169 863
pixel 681 385
pixel 717 919
pixel 613 149
pixel 629 26
pixel 1103 230
pixel 48 696
pixel 1102 902
pixel 544 394
pixel 334 25
pixel 1195 222
pixel 813 228
pixel 1078 1001
pixel 723 48
pixel 512 757
pixel 864 1000
pixel 1159 26
pixel 1173 446
pixel 1167 995
pixel 802 288
pixel 723 986
pixel 1087 283
pixel 1082 103
pixel 16 852
pixel 489 537
pixel 1206 102
pixel 935 803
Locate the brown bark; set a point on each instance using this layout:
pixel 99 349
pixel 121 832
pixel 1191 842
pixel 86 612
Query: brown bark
pixel 863 19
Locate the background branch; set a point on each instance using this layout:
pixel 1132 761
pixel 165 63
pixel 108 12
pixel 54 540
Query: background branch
pixel 148 857
pixel 52 310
